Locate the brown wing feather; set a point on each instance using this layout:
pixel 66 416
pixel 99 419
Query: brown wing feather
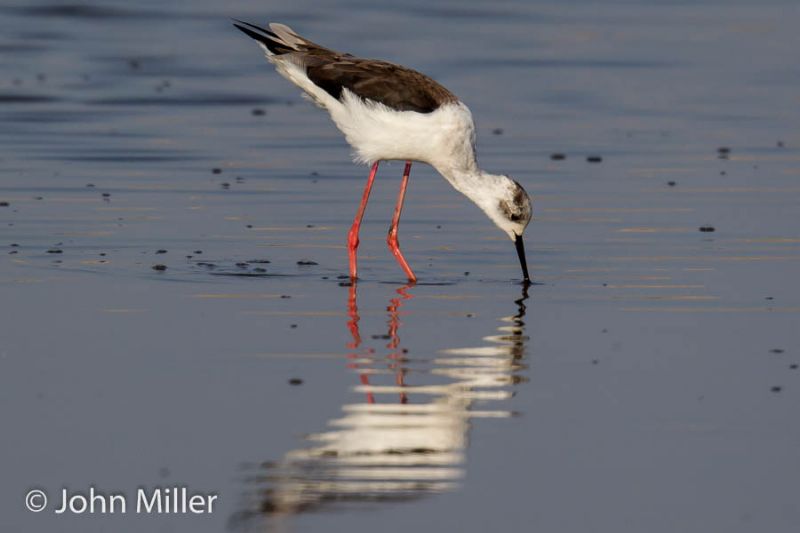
pixel 392 85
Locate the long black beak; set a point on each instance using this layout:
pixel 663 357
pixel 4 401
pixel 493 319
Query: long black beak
pixel 522 261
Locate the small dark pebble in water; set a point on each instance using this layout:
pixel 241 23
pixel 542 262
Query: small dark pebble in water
pixel 293 326
pixel 595 361
pixel 241 265
pixel 12 252
pixel 259 270
pixel 249 226
pixel 259 261
pixel 671 183
pixel 159 267
pixel 314 173
pixel 55 251
pixel 325 277
pixel 309 225
pixel 497 131
pixel 793 366
pixel 285 296
pixel 605 284
pixel 4 204
pixel 594 159
pixel 189 256
pixel 558 156
pixel 438 226
pixel 381 337
pixel 102 254
pixel 216 171
pixel 780 144
pixel 14 245
pixel 470 315
pixel 239 179
pixel 307 263
pixel 466 273
pixel 225 185
pixel 345 283
pixel 90 185
pixel 707 229
pixel 776 388
pixel 769 298
pixel 198 252
pixel 258 112
pixel 723 150
pixel 134 64
pixel 162 251
pixel 723 173
pixel 106 194
pixel 777 350
pixel 295 381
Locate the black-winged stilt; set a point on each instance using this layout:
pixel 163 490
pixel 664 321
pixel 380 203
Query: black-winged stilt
pixel 390 112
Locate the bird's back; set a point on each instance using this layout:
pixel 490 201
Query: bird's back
pixel 395 86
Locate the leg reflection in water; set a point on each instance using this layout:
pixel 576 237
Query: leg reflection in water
pixel 406 439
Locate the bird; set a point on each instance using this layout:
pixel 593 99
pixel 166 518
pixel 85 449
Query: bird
pixel 390 112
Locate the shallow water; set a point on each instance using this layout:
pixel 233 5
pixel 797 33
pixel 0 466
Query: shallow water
pixel 647 382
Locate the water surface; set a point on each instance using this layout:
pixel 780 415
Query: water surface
pixel 647 382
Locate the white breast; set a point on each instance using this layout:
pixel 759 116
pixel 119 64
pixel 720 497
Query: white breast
pixel 378 132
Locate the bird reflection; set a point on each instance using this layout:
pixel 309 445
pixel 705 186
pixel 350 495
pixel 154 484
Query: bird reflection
pixel 408 436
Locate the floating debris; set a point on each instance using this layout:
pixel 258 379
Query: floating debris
pixel 304 262
pixel 295 381
pixel 558 156
pixel 594 159
pixel 159 267
pixel 707 229
pixel 258 112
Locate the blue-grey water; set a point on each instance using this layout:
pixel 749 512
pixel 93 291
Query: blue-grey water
pixel 648 382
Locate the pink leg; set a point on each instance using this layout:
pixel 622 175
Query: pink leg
pixel 391 239
pixel 352 237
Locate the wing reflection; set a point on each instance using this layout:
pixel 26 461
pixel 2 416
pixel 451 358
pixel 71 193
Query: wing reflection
pixel 409 435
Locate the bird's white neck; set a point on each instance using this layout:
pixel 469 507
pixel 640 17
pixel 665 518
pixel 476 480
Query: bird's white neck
pixel 474 183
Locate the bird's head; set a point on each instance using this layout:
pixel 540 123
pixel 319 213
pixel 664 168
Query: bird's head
pixel 510 208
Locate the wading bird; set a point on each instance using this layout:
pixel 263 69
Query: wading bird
pixel 390 112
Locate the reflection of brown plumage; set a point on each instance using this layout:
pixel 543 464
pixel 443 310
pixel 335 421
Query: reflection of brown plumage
pixel 397 450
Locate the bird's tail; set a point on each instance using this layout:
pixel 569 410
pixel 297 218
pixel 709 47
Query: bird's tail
pixel 278 40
